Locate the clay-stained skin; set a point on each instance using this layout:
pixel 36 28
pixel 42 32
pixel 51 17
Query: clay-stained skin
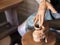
pixel 41 12
pixel 43 6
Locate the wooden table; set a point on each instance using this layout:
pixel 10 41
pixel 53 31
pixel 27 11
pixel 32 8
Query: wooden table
pixel 8 6
pixel 27 39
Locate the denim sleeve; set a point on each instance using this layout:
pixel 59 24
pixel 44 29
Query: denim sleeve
pixel 47 15
pixel 56 15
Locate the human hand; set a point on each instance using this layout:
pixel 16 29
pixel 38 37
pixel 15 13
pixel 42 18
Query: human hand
pixel 39 18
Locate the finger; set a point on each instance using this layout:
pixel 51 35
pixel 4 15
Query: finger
pixel 42 26
pixel 39 20
pixel 35 17
pixel 36 20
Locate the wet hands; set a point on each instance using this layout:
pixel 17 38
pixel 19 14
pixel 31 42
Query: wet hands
pixel 39 18
pixel 44 5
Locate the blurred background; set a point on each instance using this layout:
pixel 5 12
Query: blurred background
pixel 24 10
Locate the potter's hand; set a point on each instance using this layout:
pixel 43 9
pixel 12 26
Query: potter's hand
pixel 39 18
pixel 40 14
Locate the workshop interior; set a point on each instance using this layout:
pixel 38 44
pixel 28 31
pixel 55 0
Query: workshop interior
pixel 13 13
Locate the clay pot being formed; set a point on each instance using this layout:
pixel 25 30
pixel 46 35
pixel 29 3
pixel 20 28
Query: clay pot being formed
pixel 38 34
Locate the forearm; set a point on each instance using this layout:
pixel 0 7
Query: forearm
pixel 49 6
